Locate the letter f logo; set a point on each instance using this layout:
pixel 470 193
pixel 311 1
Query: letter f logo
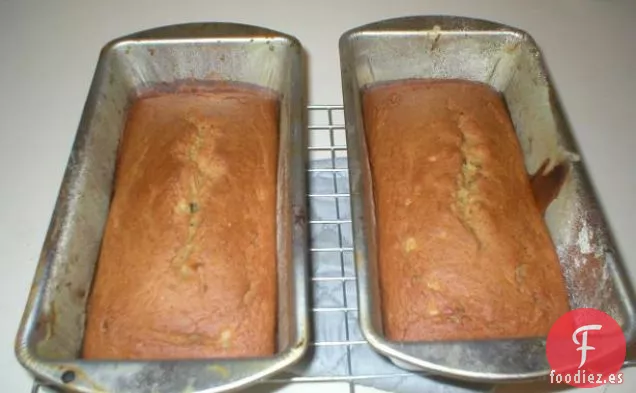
pixel 583 344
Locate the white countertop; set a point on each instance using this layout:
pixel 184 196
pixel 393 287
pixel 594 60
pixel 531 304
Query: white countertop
pixel 48 51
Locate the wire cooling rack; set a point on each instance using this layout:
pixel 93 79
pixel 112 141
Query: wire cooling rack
pixel 338 351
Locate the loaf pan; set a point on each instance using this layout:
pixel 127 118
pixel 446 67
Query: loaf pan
pixel 447 47
pixel 49 339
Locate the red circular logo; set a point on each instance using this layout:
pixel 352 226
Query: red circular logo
pixel 586 348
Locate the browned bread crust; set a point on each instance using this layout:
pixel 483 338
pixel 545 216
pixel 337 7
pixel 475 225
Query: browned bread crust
pixel 463 250
pixel 188 262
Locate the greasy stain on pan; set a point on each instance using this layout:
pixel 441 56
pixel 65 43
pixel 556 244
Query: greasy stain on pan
pixel 508 60
pixel 50 336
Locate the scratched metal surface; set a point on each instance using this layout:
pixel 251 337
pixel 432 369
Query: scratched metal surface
pixel 50 336
pixel 509 60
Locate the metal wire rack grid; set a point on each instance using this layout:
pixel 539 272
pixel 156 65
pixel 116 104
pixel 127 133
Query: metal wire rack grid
pixel 339 352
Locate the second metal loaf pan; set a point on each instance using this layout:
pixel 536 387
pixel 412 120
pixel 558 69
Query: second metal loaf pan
pixel 447 47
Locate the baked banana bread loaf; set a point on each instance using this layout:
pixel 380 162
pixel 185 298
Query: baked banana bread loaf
pixel 463 250
pixel 188 261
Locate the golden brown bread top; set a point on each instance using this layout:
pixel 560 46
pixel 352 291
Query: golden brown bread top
pixel 463 250
pixel 188 262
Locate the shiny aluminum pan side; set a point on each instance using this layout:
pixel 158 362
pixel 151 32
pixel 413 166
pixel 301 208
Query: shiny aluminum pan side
pixel 50 335
pixel 507 59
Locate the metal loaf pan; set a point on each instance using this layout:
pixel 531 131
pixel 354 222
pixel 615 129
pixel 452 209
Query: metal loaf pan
pixel 508 59
pixel 50 336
